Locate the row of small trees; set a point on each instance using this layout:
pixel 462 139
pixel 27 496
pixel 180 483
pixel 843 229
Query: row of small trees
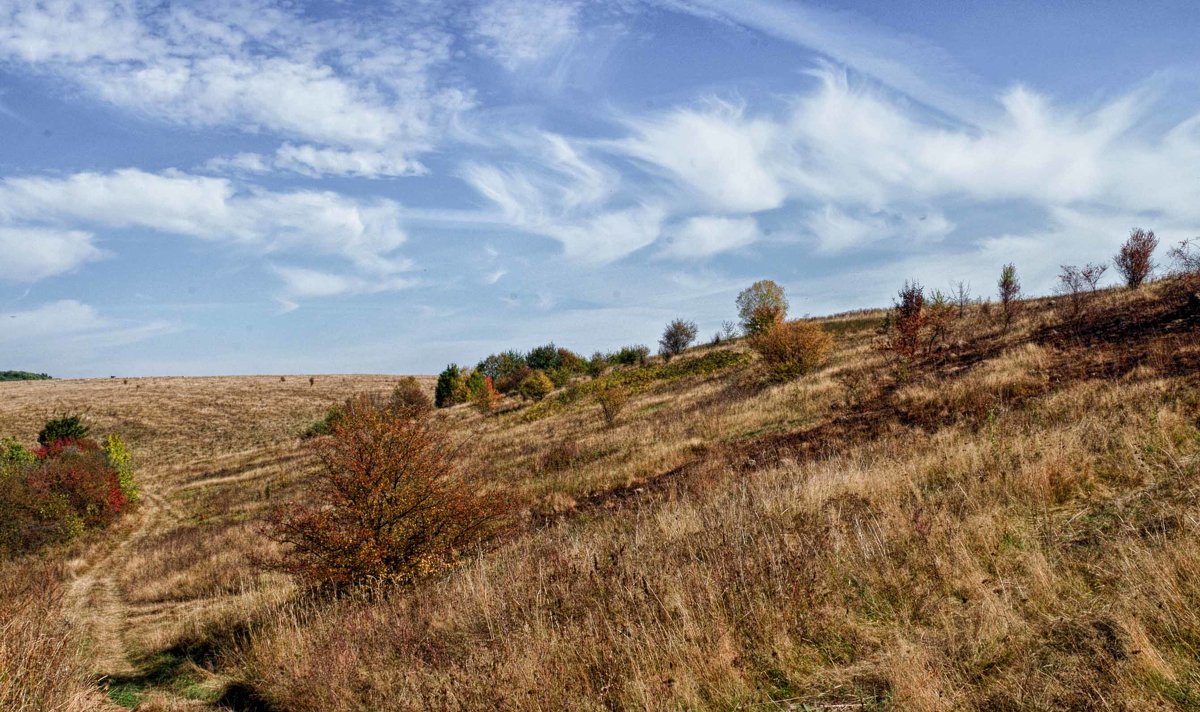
pixel 69 483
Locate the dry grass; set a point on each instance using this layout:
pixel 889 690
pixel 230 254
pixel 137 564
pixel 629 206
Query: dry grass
pixel 1011 527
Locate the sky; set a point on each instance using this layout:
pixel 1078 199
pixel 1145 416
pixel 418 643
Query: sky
pixel 244 187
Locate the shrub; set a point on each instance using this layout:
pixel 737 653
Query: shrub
pixel 14 454
pixel 487 398
pixel 32 518
pixel 391 503
pixel 1186 257
pixel 678 335
pixel 325 425
pixel 792 349
pixel 761 306
pixel 905 322
pixel 1135 258
pixel 506 369
pixel 451 388
pixel 474 383
pixel 121 462
pixel 1009 286
pixel 1076 284
pixel 536 387
pixel 409 394
pixel 612 401
pixel 78 471
pixel 630 356
pixel 67 427
pixel 597 364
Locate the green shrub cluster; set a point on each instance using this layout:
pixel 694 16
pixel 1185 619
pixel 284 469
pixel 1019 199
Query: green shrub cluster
pixel 23 376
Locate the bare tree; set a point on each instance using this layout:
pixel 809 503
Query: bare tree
pixel 961 297
pixel 1134 259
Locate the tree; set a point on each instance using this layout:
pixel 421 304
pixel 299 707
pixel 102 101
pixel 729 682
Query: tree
pixel 612 401
pixel 1186 256
pixel 906 321
pixel 1135 258
pixel 536 386
pixel 391 502
pixel 792 349
pixel 487 398
pixel 678 335
pixel 1077 283
pixel 761 306
pixel 1010 291
pixel 961 296
pixel 451 388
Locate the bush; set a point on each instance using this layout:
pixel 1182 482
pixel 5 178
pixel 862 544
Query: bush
pixel 1186 257
pixel 678 335
pixel 1135 258
pixel 325 426
pixel 121 461
pixel 597 364
pixel 939 317
pixel 391 503
pixel 536 387
pixel 906 322
pixel 761 306
pixel 475 384
pixel 612 401
pixel 630 356
pixel 14 454
pixel 792 349
pixel 1076 284
pixel 487 398
pixel 506 370
pixel 451 388
pixel 408 394
pixel 1010 292
pixel 67 427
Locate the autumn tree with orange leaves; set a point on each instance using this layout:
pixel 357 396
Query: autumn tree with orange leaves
pixel 391 503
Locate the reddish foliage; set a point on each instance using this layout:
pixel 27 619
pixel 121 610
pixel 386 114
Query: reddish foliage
pixel 391 503
pixel 78 472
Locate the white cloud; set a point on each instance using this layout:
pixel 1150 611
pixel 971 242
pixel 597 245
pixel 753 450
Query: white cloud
pixel 705 236
pixel 364 233
pixel 32 254
pixel 304 283
pixel 522 33
pixel 837 230
pixel 718 153
pixel 368 81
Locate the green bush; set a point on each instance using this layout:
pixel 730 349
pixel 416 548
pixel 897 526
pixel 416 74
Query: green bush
pixel 67 427
pixel 537 386
pixel 630 356
pixel 678 335
pixel 326 425
pixel 451 388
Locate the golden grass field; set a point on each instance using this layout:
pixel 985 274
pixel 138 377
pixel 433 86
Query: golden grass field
pixel 1013 525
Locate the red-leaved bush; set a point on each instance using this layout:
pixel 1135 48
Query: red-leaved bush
pixel 390 503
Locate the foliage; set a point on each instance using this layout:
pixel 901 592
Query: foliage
pixel 612 401
pixel 544 358
pixel 761 306
pixel 487 398
pixel 630 356
pixel 23 376
pixel 408 393
pixel 678 335
pixel 121 461
pixel 1009 286
pixel 49 496
pixel 506 369
pixel 475 384
pixel 451 388
pixel 597 364
pixel 390 503
pixel 325 425
pixel 67 427
pixel 905 322
pixel 939 317
pixel 792 349
pixel 1135 259
pixel 536 387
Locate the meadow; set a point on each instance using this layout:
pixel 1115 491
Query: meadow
pixel 1008 522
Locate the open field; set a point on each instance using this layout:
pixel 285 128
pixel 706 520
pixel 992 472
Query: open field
pixel 1010 524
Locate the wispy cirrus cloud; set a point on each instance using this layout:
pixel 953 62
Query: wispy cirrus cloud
pixel 31 254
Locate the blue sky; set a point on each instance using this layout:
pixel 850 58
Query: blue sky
pixel 259 187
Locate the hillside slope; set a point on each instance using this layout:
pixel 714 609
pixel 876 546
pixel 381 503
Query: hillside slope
pixel 1007 523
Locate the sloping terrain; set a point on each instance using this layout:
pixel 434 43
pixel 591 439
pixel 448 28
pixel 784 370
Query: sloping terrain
pixel 1009 522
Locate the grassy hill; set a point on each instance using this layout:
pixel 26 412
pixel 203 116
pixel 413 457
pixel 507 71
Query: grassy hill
pixel 1009 522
